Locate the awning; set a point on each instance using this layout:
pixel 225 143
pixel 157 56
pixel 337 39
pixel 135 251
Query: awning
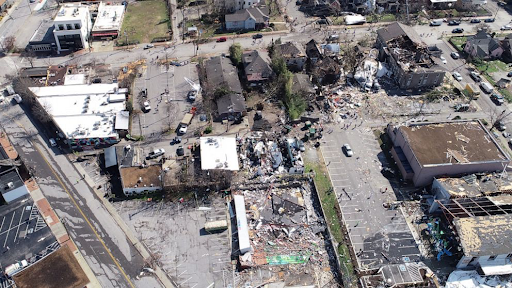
pixel 110 157
pixel 104 34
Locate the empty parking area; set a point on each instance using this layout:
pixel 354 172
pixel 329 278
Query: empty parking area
pixel 23 231
pixel 378 235
pixel 174 233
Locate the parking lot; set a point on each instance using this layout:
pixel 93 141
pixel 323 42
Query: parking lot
pixel 174 233
pixel 166 94
pixel 379 235
pixel 23 232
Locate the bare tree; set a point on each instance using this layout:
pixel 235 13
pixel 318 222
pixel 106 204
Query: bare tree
pixel 496 116
pixel 8 43
pixel 30 56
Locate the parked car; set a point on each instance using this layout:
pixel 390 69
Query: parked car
pixel 457 76
pixel 388 172
pixel 436 23
pixel 509 74
pixel 497 99
pixel 506 27
pixel 257 36
pixel 455 55
pixel 155 153
pixel 176 140
pixel 486 87
pixel 183 129
pixel 489 20
pixel 443 59
pixel 475 21
pixel 222 39
pixel 148 46
pixel 147 107
pixel 348 150
pixel 505 134
pixel 52 141
pixel 192 95
pixel 180 151
pixel 475 76
pixel 495 134
pixel 453 23
pixel 458 30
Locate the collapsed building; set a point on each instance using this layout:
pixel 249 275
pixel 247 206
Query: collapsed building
pixel 408 57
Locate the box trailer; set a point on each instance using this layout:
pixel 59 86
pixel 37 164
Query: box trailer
pixel 214 226
pixel 241 223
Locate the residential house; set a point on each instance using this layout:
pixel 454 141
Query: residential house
pixel 257 68
pixel 254 18
pixel 234 5
pixel 313 51
pixel 327 71
pixel 427 150
pixel 408 57
pixel 506 44
pixel 221 72
pixel 483 46
pixel 294 55
pixel 302 83
pixel 231 107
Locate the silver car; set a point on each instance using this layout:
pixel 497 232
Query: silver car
pixel 348 151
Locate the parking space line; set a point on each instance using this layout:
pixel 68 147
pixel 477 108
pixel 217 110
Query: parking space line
pixel 354 220
pixel 9 229
pixel 1 226
pixel 19 224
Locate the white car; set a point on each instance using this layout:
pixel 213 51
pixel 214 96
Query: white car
pixel 506 27
pixel 443 59
pixel 147 107
pixel 457 76
pixel 155 153
pixel 348 150
pixel 183 129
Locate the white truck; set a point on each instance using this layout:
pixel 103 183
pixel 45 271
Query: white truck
pixel 182 128
pixel 15 268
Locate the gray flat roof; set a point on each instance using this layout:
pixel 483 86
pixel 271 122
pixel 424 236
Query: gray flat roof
pixel 10 176
pixel 44 33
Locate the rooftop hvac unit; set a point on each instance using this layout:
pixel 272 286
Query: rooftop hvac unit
pixel 10 185
pixel 140 180
pixel 88 97
pixel 84 110
pixel 86 100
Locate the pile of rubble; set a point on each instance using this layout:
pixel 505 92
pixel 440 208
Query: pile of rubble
pixel 287 235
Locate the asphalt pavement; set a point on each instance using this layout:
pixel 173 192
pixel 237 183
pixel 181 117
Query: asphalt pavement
pixel 114 261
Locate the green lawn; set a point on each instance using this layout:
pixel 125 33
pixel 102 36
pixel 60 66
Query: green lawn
pixel 207 31
pixel 329 203
pixel 144 21
pixel 381 18
pixel 492 66
pixel 458 41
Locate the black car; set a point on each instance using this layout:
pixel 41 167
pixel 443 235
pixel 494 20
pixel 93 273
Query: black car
pixel 176 140
pixel 497 99
pixel 509 74
pixel 180 151
pixel 257 36
pixel 475 21
pixel 388 172
pixel 454 23
pixel 458 30
pixel 489 20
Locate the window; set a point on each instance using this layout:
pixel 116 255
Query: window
pixel 61 27
pixel 77 26
pixel 491 258
pixel 69 27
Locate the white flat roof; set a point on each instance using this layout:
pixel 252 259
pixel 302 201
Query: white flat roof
pixel 219 153
pixel 110 17
pixel 81 111
pixel 71 12
pixel 74 79
pixel 244 242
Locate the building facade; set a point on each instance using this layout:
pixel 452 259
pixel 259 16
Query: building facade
pixel 72 27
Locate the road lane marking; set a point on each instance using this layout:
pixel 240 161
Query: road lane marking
pixel 80 210
pixel 9 228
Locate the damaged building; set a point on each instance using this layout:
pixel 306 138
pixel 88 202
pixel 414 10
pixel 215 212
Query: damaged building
pixel 427 150
pixel 408 57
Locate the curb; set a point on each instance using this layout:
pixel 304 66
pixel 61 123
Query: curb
pixel 159 273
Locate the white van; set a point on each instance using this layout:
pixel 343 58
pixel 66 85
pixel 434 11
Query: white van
pixel 486 87
pixel 436 23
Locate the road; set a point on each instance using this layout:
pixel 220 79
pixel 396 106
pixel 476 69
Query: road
pixel 112 258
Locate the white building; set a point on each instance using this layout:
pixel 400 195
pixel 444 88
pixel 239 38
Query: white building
pixel 85 114
pixel 109 21
pixel 72 27
pixel 219 153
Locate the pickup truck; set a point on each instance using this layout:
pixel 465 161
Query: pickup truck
pixel 182 127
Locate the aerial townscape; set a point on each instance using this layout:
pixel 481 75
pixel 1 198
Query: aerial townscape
pixel 255 143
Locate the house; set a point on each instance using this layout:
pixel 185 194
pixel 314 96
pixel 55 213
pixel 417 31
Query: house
pixel 408 57
pixel 72 27
pixel 302 83
pixel 327 71
pixel 483 227
pixel 313 51
pixel 234 5
pixel 257 68
pixel 506 44
pixel 294 55
pixel 43 39
pixel 230 107
pixel 109 21
pixel 427 150
pixel 136 176
pixel 221 72
pixel 483 46
pixel 254 18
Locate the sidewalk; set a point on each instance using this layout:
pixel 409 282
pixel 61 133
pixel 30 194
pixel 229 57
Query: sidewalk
pixel 59 230
pixel 159 273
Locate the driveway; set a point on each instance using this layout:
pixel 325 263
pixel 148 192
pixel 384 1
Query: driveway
pixel 379 236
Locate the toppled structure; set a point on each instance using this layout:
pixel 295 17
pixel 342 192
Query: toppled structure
pixel 408 57
pixel 288 236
